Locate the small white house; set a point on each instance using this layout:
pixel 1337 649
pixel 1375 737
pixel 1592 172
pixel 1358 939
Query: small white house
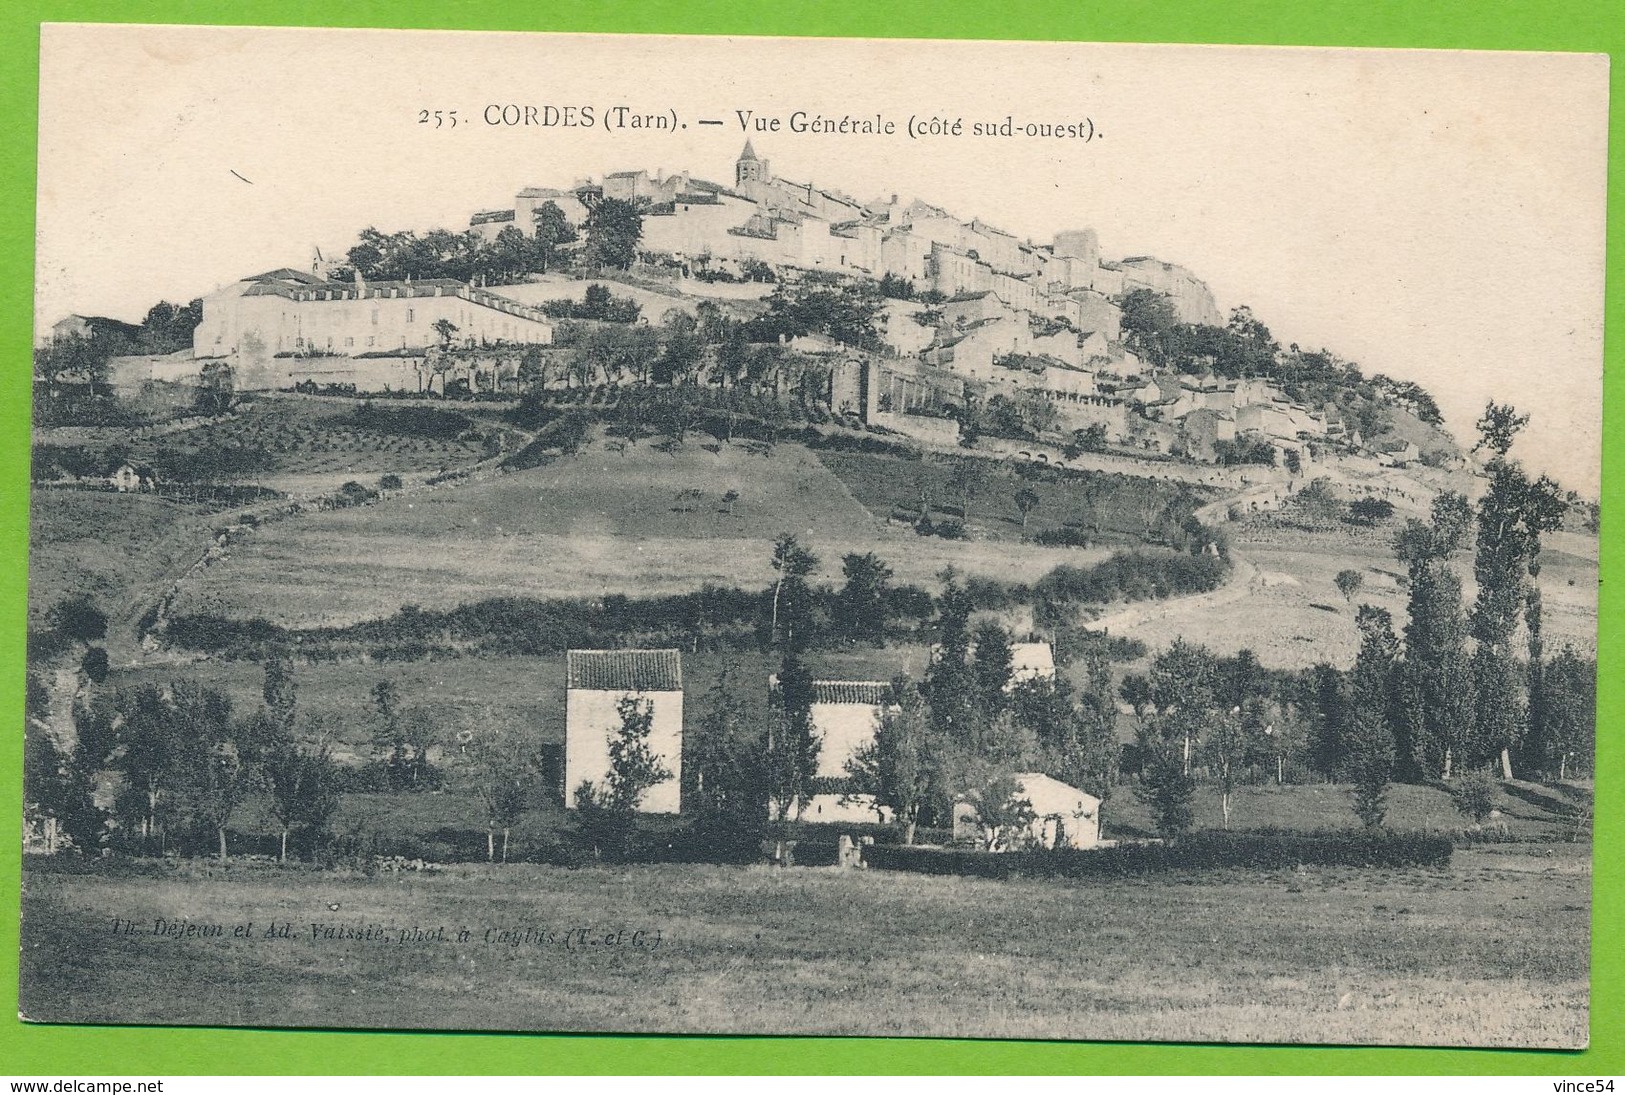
pixel 596 681
pixel 1063 816
pixel 845 717
pixel 127 479
pixel 1031 662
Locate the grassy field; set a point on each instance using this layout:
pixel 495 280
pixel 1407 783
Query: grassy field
pixel 1492 951
pixel 118 549
pixel 601 522
pixel 1293 615
pixel 1118 503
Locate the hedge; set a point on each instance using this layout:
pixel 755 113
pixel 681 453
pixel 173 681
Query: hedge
pixel 1258 849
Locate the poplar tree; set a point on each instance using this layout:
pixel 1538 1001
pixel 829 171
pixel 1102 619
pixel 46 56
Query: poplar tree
pixel 1512 515
pixel 1370 729
pixel 1436 685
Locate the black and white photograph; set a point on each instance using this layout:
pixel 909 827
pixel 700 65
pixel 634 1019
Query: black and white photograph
pixel 702 535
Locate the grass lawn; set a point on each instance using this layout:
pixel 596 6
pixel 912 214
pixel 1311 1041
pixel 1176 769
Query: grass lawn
pixel 1490 951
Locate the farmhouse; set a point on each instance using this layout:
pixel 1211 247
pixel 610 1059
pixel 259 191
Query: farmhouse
pixel 95 327
pixel 845 716
pixel 127 478
pixel 596 681
pixel 1063 816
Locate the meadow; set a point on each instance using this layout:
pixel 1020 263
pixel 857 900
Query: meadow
pixel 121 550
pixel 1292 616
pixel 1490 951
pixel 638 521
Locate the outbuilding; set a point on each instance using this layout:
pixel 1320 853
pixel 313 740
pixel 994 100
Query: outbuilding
pixel 596 681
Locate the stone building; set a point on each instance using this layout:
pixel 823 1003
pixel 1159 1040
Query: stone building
pixel 261 326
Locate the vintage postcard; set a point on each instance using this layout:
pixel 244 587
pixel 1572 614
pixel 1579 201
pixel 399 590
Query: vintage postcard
pixel 731 535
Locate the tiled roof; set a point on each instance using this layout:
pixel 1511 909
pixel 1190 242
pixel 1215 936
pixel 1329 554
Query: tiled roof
pixel 867 693
pixel 491 216
pixel 624 670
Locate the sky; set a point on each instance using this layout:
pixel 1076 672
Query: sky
pixel 1433 215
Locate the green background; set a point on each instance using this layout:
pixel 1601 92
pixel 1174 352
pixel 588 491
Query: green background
pixel 1591 26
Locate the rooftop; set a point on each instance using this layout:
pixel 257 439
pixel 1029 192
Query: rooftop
pixel 624 670
pixel 864 693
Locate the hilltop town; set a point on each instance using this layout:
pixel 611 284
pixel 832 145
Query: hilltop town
pixel 961 318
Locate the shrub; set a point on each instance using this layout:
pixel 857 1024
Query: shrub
pixel 1474 794
pixel 1263 849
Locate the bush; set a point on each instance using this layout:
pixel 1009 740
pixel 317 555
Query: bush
pixel 1066 536
pixel 424 422
pixel 1263 849
pixel 1474 794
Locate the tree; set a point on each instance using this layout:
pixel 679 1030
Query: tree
pixel 634 767
pixel 1368 511
pixel 79 619
pixel 390 740
pixel 728 766
pixel 215 392
pixel 991 666
pixel 445 328
pixel 504 770
pixel 1348 583
pixel 1181 695
pixel 895 766
pixel 1569 726
pixel 1026 500
pixel 1512 516
pixel 793 564
pixel 179 764
pixel 301 776
pixel 1003 813
pixel 861 606
pixel 792 743
pixel 1498 427
pixel 1226 748
pixel 967 476
pixel 218 782
pixel 551 230
pixel 613 229
pixel 1149 319
pixel 95 665
pixel 1436 681
pixel 950 688
pixel 1089 439
pixel 1080 740
pixel 62 783
pixel 1328 733
pixel 1371 704
pixel 609 809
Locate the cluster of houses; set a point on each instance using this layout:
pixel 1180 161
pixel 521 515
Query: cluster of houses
pixel 1006 316
pixel 845 716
